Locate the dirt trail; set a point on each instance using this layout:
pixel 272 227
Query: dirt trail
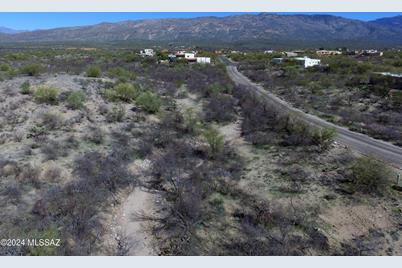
pixel 130 232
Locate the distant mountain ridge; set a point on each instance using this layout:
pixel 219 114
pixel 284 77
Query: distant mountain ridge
pixel 262 30
pixel 390 22
pixel 6 30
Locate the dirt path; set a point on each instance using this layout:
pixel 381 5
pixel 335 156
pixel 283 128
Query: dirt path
pixel 133 236
pixel 135 233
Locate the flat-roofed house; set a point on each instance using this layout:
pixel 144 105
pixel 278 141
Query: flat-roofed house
pixel 203 60
pixel 308 62
pixel 324 52
pixel 148 52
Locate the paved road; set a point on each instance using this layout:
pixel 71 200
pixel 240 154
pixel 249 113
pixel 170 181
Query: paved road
pixel 356 141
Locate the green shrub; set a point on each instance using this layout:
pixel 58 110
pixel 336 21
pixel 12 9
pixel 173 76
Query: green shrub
pixel 370 175
pixel 5 67
pixel 45 94
pixel 120 73
pixel 116 114
pixel 216 89
pixel 76 100
pixel 215 141
pixel 94 71
pixel 123 91
pixel 25 88
pixel 191 121
pixel 31 69
pixel 323 137
pixel 149 102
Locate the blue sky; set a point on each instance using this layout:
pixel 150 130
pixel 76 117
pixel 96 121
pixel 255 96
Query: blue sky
pixel 33 21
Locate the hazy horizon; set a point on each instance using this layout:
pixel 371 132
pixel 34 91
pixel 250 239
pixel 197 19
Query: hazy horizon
pixel 47 20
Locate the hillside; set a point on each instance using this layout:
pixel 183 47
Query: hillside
pixel 262 30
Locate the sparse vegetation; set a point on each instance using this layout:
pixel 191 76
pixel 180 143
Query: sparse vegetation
pixel 370 175
pixel 25 88
pixel 94 71
pixel 215 141
pixel 123 91
pixel 75 100
pixel 46 94
pixel 31 69
pixel 149 102
pixel 116 114
pixel 222 171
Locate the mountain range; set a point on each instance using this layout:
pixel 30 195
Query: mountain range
pixel 249 30
pixel 6 30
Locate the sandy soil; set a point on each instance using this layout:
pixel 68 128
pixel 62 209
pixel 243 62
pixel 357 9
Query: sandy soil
pixel 126 227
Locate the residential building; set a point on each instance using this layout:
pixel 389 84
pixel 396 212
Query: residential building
pixel 203 60
pixel 290 54
pixel 148 52
pixel 308 62
pixel 328 52
pixel 189 56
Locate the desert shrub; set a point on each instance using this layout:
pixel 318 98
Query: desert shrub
pixel 93 71
pixel 52 173
pixel 123 91
pixel 144 148
pixel 31 69
pixel 323 137
pixel 13 192
pixel 370 175
pixel 5 67
pixel 54 149
pixel 217 89
pixel 215 141
pixel 220 108
pixel 96 135
pixel 45 94
pixel 192 121
pixel 149 102
pixel 29 174
pixel 116 114
pixel 51 120
pixel 25 88
pixel 75 100
pixel 122 74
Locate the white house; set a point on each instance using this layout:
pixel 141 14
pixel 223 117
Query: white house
pixel 148 52
pixel 189 56
pixel 203 60
pixel 324 52
pixel 307 62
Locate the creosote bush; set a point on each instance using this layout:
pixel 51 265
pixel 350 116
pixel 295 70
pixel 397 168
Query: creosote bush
pixel 323 137
pixel 25 88
pixel 46 94
pixel 31 69
pixel 5 67
pixel 215 141
pixel 94 71
pixel 123 91
pixel 76 100
pixel 116 114
pixel 192 121
pixel 370 175
pixel 149 102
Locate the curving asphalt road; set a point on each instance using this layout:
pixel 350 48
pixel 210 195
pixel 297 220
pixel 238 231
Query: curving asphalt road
pixel 356 141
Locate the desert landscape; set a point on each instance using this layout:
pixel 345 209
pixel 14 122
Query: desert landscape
pixel 171 150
